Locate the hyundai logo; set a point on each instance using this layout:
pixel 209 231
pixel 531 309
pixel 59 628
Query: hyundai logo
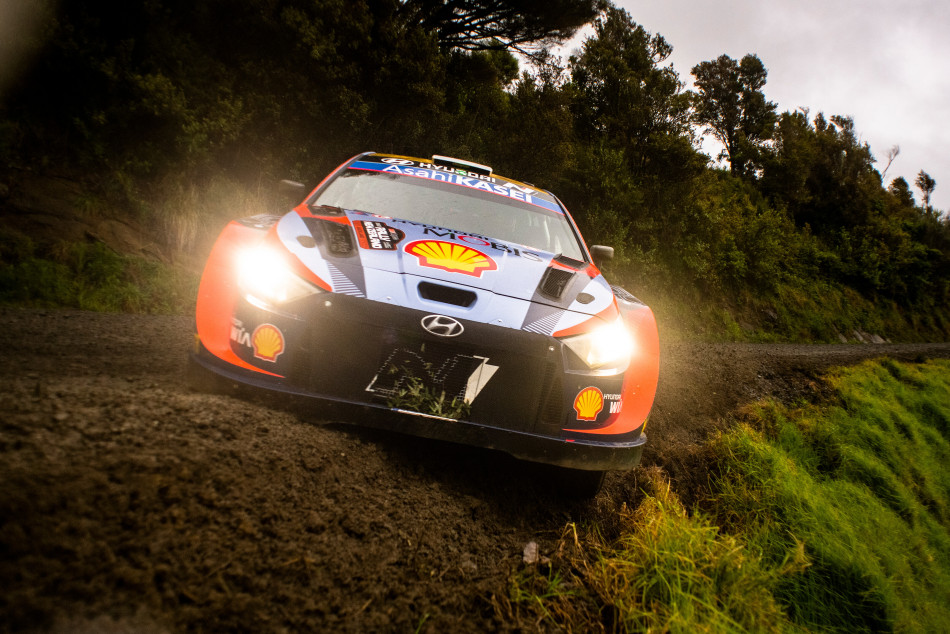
pixel 442 326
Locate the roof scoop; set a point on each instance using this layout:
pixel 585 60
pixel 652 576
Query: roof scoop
pixel 468 166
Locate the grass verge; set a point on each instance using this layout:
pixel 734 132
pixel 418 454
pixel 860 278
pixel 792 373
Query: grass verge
pixel 822 517
pixel 91 276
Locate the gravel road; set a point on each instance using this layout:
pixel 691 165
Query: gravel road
pixel 129 503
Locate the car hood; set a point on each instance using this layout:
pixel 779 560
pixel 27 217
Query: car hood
pixel 425 266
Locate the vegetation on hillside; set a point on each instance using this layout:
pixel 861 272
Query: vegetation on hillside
pixel 801 238
pixel 831 517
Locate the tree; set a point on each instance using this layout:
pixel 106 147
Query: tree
pixel 491 24
pixel 926 185
pixel 624 98
pixel 538 117
pixel 731 103
pixel 901 191
pixel 821 172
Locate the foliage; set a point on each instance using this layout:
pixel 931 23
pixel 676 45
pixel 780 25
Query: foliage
pixel 926 184
pixel 831 517
pixel 415 394
pixel 862 485
pixel 484 24
pixel 627 100
pixel 730 101
pixel 165 104
pixel 90 276
pixel 661 570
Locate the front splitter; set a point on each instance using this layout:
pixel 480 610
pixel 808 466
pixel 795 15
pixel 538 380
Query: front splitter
pixel 587 455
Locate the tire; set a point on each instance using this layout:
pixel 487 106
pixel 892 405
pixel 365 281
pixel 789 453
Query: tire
pixel 580 485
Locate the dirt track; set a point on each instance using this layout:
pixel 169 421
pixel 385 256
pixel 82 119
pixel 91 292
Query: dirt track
pixel 130 504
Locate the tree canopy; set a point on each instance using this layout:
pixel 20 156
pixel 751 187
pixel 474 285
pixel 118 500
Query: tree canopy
pixel 731 103
pixel 488 24
pixel 187 92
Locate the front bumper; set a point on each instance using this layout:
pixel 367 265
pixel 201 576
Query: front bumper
pixel 571 453
pixel 357 354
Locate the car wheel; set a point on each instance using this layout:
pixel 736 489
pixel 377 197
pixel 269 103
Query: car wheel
pixel 580 485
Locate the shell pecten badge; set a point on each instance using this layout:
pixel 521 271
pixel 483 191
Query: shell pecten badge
pixel 268 342
pixel 448 256
pixel 588 403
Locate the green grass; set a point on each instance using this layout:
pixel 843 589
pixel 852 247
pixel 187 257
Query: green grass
pixel 176 217
pixel 864 485
pixel 90 276
pixel 832 517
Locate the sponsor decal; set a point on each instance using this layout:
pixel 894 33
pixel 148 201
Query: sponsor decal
pixel 448 256
pixel 268 342
pixel 588 403
pixel 239 333
pixel 446 234
pixel 615 402
pixel 470 238
pixel 461 177
pixel 376 235
pixel 440 168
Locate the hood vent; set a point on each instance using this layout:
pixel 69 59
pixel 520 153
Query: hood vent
pixel 446 294
pixel 339 238
pixel 335 238
pixel 554 282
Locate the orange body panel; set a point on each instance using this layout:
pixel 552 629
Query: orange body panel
pixel 218 293
pixel 640 379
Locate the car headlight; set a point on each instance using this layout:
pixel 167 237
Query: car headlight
pixel 264 274
pixel 606 349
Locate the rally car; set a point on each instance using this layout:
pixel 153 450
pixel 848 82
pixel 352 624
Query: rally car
pixel 437 298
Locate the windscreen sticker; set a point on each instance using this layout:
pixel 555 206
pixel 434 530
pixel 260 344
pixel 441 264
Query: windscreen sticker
pixel 465 179
pixel 451 257
pixel 451 234
pixel 373 234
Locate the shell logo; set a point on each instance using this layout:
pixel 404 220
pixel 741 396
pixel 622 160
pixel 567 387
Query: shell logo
pixel 448 256
pixel 588 403
pixel 268 342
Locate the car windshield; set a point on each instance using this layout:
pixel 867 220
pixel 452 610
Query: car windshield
pixel 464 209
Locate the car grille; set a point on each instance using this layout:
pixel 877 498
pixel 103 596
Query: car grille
pixel 551 417
pixel 437 369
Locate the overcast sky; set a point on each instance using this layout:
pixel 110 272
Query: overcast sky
pixel 884 63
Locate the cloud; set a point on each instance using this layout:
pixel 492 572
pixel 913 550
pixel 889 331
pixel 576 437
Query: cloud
pixel 881 63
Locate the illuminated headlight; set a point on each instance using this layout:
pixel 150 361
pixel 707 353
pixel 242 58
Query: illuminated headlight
pixel 605 349
pixel 263 273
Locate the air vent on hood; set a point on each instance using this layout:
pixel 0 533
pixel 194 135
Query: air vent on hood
pixel 340 238
pixel 447 294
pixel 554 282
pixel 335 238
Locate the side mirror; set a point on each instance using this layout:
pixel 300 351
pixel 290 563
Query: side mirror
pixel 601 254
